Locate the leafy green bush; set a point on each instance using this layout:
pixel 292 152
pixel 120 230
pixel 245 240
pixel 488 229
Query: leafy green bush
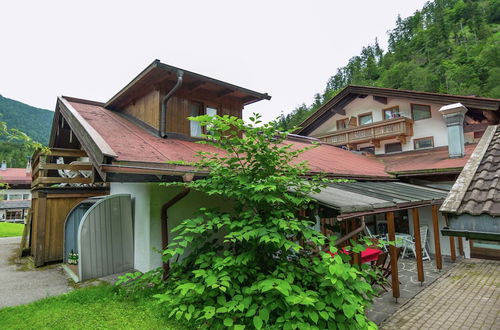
pixel 261 265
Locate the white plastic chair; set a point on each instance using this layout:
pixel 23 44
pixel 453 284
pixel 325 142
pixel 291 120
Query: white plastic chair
pixel 65 173
pixel 410 244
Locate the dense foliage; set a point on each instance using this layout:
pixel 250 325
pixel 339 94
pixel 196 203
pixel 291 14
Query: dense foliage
pixel 16 146
pixel 450 46
pixel 259 264
pixel 33 121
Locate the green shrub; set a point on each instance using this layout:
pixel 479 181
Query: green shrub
pixel 247 268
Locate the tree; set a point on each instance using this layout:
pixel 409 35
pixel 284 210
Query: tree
pixel 260 264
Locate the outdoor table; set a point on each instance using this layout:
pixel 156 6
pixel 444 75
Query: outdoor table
pixel 368 255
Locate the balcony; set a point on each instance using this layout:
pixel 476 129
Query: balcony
pixel 399 128
pixel 61 167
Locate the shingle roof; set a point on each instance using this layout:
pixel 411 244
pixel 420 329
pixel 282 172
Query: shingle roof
pixel 425 161
pixel 132 143
pixel 477 190
pixel 15 176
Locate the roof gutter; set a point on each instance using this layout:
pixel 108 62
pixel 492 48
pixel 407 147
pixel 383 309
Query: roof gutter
pixel 164 101
pixel 488 236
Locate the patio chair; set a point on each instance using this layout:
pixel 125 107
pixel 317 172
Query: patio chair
pixel 386 268
pixel 65 173
pixel 410 244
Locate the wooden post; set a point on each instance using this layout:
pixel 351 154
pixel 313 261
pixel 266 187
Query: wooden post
pixel 40 252
pixel 461 246
pixel 437 243
pixel 418 245
pixel 452 248
pixel 393 253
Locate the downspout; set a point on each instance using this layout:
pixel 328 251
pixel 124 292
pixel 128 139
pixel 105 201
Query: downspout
pixel 164 101
pixel 164 224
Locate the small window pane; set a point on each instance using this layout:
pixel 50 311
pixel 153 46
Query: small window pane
pixel 342 124
pixel 15 197
pixel 391 113
pixel 26 196
pixel 393 147
pixel 365 119
pixel 211 111
pixel 195 110
pixel 420 111
pixel 424 143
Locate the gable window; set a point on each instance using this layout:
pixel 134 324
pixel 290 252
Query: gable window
pixel 420 111
pixel 342 124
pixel 365 119
pixel 195 109
pixel 391 113
pixel 393 147
pixel 423 143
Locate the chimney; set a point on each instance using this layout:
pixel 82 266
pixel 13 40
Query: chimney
pixel 4 165
pixel 454 115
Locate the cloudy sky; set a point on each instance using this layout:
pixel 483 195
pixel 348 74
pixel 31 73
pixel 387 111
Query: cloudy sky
pixel 90 49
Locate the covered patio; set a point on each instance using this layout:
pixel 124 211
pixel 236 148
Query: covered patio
pixel 389 209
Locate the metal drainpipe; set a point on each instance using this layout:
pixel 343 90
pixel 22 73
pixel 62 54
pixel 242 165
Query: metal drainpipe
pixel 164 224
pixel 164 101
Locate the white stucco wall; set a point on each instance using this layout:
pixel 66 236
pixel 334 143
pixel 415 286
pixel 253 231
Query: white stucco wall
pixel 434 126
pixel 148 198
pixel 425 214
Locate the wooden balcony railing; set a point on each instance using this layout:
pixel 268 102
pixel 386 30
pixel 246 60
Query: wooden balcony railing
pixel 45 170
pixel 400 128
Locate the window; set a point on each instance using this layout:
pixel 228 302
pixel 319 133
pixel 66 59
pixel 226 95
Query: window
pixel 197 109
pixel 423 143
pixel 342 124
pixel 26 196
pixel 420 111
pixel 391 113
pixel 15 197
pixel 393 147
pixel 365 119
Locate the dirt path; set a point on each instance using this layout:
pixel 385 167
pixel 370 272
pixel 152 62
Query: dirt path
pixel 468 297
pixel 21 287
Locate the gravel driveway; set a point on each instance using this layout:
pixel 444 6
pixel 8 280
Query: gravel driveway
pixel 22 287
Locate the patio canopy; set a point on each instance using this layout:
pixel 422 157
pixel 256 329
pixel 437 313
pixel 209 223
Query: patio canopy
pixel 359 198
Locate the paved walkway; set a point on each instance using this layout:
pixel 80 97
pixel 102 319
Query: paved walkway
pixel 385 306
pixel 467 297
pixel 21 287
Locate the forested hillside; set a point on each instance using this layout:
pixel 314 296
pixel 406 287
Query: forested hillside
pixel 34 122
pixel 450 46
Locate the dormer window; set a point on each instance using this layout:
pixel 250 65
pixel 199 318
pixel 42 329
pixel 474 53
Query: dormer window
pixel 197 109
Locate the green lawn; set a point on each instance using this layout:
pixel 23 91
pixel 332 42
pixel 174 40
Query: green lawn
pixel 11 229
pixel 97 307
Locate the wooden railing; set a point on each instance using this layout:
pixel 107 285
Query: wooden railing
pixel 382 130
pixel 45 170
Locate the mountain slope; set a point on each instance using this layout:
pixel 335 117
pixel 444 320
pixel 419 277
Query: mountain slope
pixel 35 122
pixel 449 46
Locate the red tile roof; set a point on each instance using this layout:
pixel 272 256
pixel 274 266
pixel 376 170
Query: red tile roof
pixel 425 160
pixel 15 176
pixel 133 143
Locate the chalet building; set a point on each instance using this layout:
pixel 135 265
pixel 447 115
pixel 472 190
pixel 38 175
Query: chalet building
pixel 422 138
pixel 15 194
pixel 98 193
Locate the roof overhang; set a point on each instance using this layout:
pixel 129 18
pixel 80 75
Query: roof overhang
pixel 351 92
pixel 354 199
pixel 158 75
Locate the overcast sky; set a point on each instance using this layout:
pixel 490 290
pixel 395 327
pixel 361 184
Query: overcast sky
pixel 90 50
